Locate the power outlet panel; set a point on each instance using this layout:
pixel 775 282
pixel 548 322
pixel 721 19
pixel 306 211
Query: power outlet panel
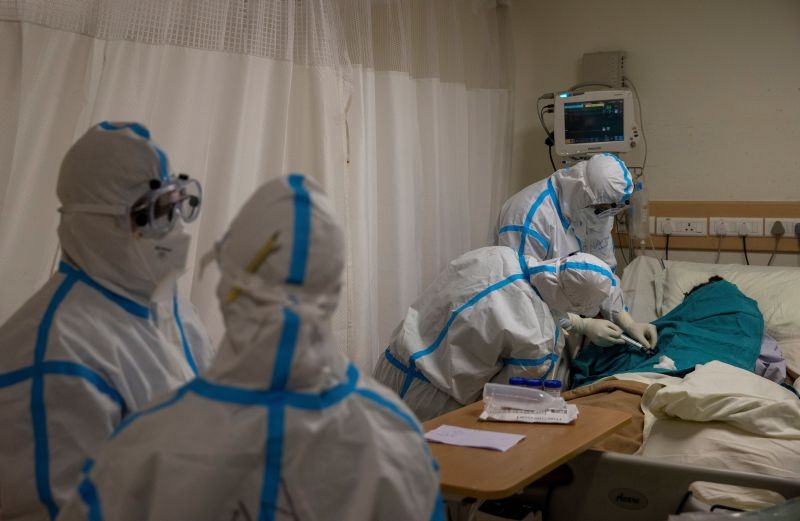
pixel 736 226
pixel 682 226
pixel 789 225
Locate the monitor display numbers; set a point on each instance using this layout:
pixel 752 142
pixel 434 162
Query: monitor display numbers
pixel 594 121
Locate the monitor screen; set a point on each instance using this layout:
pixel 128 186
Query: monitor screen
pixel 593 122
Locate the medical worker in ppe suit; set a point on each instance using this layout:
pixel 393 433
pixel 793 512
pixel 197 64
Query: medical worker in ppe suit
pixel 282 426
pixel 485 320
pixel 573 210
pixel 107 332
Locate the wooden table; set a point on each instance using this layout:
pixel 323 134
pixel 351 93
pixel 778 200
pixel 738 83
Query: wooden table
pixel 489 474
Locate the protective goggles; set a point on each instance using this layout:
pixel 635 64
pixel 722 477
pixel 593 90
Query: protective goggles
pixel 609 209
pixel 155 213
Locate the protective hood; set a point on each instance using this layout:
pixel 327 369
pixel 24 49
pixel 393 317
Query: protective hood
pixel 578 284
pixel 281 263
pixel 602 179
pixel 110 167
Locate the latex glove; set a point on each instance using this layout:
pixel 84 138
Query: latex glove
pixel 642 332
pixel 599 332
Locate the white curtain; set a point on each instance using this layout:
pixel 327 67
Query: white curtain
pixel 400 108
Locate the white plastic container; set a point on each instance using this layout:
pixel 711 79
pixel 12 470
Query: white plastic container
pixel 553 387
pixel 500 396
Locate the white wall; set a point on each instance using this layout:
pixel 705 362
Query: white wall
pixel 719 82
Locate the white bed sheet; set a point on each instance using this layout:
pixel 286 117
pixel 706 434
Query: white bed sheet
pixel 716 444
pixel 718 392
pixel 639 287
pixel 723 417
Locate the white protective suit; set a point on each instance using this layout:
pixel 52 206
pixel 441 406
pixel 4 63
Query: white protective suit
pixel 485 320
pixel 288 427
pixel 93 344
pixel 553 217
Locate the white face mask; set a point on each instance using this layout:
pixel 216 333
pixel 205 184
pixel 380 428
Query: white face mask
pixel 596 223
pixel 163 260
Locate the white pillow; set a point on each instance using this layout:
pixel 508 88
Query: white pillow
pixel 776 290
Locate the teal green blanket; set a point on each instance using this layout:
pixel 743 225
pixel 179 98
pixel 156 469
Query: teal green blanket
pixel 714 322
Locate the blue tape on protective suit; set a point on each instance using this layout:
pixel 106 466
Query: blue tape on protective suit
pixel 53 367
pixel 141 131
pixel 525 226
pixel 438 513
pixel 530 362
pixel 136 128
pixel 393 408
pixel 37 372
pixel 180 393
pixel 526 229
pixel 286 346
pixel 69 369
pixel 530 231
pixel 554 196
pixel 242 396
pixel 407 381
pixel 471 302
pixel 325 399
pixel 38 412
pixel 187 351
pixel 549 268
pixel 590 267
pixel 127 304
pixel 272 463
pixel 302 230
pixel 438 506
pixel 163 164
pixel 231 394
pixel 410 372
pixel 90 498
pixel 558 333
pixel 15 377
pixel 626 175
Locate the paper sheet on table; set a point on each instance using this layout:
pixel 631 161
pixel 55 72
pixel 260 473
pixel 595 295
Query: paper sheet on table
pixel 473 438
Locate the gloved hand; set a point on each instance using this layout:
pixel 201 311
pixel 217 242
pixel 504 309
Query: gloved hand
pixel 599 332
pixel 642 332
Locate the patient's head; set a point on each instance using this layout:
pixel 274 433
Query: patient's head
pixel 715 278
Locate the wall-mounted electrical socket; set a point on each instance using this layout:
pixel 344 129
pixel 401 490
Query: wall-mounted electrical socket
pixel 788 226
pixel 734 226
pixel 682 226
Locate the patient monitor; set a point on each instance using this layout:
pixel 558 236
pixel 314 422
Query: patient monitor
pixel 591 122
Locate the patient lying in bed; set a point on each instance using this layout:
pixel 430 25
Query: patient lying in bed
pixel 715 321
pixel 704 419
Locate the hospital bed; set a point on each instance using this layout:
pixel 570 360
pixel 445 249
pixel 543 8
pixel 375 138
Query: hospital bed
pixel 654 482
